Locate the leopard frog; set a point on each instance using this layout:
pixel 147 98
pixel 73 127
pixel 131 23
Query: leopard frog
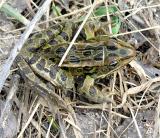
pixel 92 57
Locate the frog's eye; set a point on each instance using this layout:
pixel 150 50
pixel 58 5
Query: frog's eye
pixel 112 60
pixel 113 63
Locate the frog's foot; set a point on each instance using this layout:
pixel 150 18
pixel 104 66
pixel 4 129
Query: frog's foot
pixel 92 92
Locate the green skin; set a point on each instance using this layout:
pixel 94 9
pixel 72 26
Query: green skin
pixel 92 57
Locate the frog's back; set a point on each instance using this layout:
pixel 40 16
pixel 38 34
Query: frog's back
pixel 93 51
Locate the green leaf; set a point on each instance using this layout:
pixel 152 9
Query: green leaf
pixel 8 10
pixel 103 10
pixel 56 10
pixel 116 23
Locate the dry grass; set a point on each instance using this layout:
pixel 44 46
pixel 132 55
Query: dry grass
pixel 132 89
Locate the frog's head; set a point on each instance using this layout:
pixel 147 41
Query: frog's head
pixel 117 54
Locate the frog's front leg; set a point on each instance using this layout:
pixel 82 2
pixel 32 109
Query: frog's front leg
pixel 92 92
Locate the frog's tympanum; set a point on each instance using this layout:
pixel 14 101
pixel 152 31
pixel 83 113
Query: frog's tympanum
pixel 93 56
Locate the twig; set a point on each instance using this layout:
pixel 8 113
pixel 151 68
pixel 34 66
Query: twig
pixel 156 133
pixel 8 104
pixel 29 120
pixel 135 122
pixel 8 63
pixel 49 128
pixel 137 89
pixel 136 31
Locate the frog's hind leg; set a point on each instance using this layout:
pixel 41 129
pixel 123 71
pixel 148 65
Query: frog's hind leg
pixel 92 92
pixel 28 74
pixel 44 89
pixel 45 69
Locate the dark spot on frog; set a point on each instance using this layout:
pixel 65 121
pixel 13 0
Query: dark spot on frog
pixel 87 53
pixel 65 68
pixel 79 80
pixel 82 34
pixel 42 42
pixel 52 59
pixel 98 57
pixel 52 42
pixel 60 51
pixel 122 52
pixel 46 70
pixel 53 72
pixel 32 49
pixel 34 59
pixel 74 59
pixel 64 36
pixel 100 47
pixel 63 77
pixel 49 33
pixel 88 69
pixel 92 91
pixel 41 64
pixel 111 46
pixel 47 50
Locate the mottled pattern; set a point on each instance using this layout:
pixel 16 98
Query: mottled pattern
pixel 98 57
pixel 63 77
pixel 92 91
pixel 60 51
pixel 52 72
pixel 41 64
pixel 52 42
pixel 90 58
pixel 42 42
pixel 64 36
pixel 87 53
pixel 74 59
pixel 33 59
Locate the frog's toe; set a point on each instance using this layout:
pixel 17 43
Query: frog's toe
pixel 95 94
